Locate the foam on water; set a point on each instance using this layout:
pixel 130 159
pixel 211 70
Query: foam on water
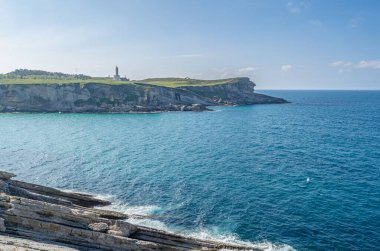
pixel 206 234
pixel 145 216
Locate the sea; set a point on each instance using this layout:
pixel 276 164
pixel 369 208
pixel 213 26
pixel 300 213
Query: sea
pixel 298 176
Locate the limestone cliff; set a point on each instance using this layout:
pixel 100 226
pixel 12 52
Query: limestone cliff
pixel 130 97
pixel 240 91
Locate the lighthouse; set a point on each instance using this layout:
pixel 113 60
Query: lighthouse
pixel 116 76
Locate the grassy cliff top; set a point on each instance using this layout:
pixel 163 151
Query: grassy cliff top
pixel 42 77
pixel 177 82
pixel 166 82
pixel 34 80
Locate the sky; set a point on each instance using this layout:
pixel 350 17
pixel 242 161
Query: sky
pixel 279 44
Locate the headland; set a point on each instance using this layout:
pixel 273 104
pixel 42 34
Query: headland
pixel 27 91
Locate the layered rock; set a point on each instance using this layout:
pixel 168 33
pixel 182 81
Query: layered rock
pixel 130 97
pixel 240 91
pixel 34 217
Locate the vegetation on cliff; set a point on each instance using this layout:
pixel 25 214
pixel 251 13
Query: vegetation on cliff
pixel 24 76
pixel 39 91
pixel 180 82
pixel 42 75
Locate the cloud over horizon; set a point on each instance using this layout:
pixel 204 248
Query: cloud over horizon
pixel 286 67
pixel 371 64
pixel 224 72
pixel 248 69
pixel 346 66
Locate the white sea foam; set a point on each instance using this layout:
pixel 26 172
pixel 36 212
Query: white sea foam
pixel 139 215
pixel 107 197
pixel 144 210
pixel 135 213
pixel 231 238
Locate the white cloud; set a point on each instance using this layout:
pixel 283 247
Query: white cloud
pixel 344 66
pixel 286 67
pixel 295 7
pixel 341 64
pixel 371 64
pixel 247 70
pixel 347 66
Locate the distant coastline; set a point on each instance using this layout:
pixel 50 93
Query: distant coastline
pixel 26 91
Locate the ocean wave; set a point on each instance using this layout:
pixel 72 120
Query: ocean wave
pixel 207 234
pixel 149 213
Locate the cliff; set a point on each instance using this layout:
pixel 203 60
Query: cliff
pixel 239 91
pixel 34 217
pixel 127 97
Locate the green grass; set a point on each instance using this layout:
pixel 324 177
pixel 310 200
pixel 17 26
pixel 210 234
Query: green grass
pixel 178 82
pixel 166 82
pixel 61 81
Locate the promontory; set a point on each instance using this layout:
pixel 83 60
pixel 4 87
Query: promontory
pixel 40 91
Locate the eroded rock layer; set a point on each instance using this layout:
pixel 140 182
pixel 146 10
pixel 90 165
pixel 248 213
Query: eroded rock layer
pixel 34 217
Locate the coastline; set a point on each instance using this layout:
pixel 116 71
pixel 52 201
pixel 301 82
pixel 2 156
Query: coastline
pixel 206 109
pixel 36 216
pixel 127 98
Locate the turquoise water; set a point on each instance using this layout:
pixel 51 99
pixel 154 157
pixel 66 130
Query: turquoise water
pixel 304 175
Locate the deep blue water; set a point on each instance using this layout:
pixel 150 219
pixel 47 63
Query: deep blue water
pixel 305 174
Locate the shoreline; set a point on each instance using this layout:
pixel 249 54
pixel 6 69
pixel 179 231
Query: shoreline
pixel 37 214
pixel 138 98
pixel 205 109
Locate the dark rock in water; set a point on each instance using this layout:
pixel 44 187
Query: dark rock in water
pixel 124 98
pixel 57 220
pixel 6 175
pixel 197 108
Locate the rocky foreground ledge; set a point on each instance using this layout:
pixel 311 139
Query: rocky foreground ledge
pixel 34 217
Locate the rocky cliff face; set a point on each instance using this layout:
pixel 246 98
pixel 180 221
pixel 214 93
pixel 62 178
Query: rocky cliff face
pixel 238 92
pixel 34 217
pixel 137 97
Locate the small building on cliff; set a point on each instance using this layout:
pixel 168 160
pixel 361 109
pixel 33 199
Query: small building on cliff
pixel 117 76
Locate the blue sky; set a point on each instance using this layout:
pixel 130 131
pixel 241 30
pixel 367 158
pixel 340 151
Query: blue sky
pixel 279 44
